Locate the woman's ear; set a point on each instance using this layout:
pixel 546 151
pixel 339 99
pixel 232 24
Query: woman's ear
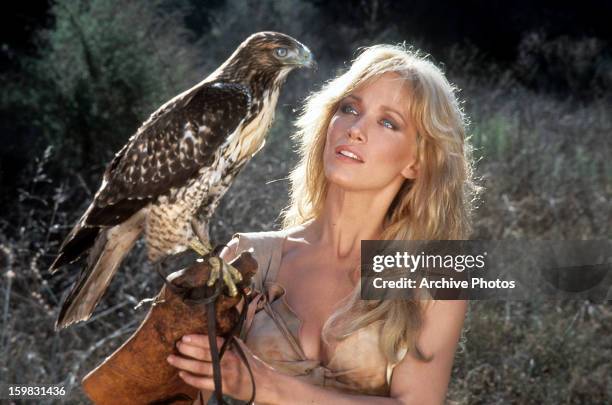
pixel 411 171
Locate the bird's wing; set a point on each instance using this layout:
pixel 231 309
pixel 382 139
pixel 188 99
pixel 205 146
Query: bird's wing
pixel 169 149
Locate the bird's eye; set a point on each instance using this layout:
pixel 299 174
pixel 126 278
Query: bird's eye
pixel 281 52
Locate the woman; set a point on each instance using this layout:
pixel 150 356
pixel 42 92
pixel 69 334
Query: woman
pixel 382 157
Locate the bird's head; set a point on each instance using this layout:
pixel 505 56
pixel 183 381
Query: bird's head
pixel 268 57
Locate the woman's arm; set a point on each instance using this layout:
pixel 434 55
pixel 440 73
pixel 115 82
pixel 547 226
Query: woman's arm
pixel 419 382
pixel 414 381
pixel 272 386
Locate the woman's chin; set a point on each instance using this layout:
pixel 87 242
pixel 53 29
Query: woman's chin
pixel 362 183
pixel 346 183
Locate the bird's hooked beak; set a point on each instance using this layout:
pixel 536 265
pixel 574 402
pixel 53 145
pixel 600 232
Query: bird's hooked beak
pixel 305 58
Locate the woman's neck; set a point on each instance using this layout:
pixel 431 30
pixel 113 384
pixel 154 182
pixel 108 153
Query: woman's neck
pixel 348 218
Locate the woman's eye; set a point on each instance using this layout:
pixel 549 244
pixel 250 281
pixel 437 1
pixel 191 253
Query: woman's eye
pixel 388 124
pixel 281 52
pixel 348 109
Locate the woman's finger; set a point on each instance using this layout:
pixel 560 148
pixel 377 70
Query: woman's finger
pixel 203 383
pixel 194 366
pixel 196 352
pixel 200 340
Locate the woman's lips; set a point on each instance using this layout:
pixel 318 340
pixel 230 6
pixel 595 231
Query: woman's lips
pixel 346 154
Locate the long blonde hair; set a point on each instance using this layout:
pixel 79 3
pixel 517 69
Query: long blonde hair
pixel 436 205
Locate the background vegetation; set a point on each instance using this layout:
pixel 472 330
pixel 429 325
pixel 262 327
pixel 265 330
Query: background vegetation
pixel 540 120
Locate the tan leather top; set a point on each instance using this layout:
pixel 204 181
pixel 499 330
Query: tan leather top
pixel 356 365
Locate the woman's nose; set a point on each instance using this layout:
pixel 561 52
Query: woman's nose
pixel 355 133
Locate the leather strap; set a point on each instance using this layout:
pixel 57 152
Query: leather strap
pixel 209 300
pixel 217 355
pixel 284 329
pixel 255 305
pixel 212 341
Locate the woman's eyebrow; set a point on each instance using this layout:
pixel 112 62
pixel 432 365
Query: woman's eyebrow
pixel 358 99
pixel 393 111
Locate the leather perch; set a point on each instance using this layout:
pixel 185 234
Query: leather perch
pixel 137 372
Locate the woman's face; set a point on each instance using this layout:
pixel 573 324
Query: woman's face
pixel 371 142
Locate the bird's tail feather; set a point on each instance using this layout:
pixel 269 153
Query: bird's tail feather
pixel 80 239
pixel 109 250
pixel 78 242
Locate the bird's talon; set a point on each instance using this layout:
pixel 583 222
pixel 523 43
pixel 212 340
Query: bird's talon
pixel 235 274
pixel 228 273
pixel 200 248
pixel 215 270
pixel 229 282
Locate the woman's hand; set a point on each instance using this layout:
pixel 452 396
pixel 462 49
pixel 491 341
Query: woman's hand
pixel 197 369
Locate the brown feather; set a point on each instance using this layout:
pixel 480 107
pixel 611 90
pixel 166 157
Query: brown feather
pixel 80 240
pixel 111 246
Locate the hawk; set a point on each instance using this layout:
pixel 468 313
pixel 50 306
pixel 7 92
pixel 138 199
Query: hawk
pixel 168 179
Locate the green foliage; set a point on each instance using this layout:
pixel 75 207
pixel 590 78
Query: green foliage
pixel 102 69
pixel 492 138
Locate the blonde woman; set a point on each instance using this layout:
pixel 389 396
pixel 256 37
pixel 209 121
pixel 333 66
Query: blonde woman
pixel 383 156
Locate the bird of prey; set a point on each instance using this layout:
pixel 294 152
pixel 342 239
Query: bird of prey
pixel 168 179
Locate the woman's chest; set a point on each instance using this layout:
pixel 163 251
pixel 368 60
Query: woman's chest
pixel 312 295
pixel 354 364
